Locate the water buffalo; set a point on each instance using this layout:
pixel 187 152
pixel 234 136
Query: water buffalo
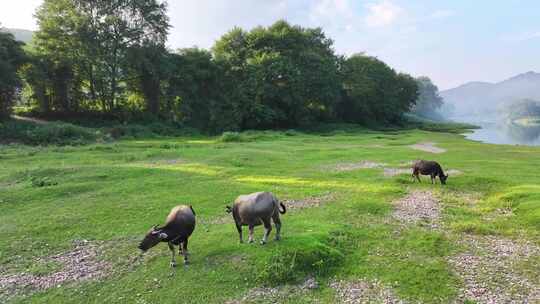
pixel 178 227
pixel 428 167
pixel 255 209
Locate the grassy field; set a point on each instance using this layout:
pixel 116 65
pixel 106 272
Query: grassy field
pixel 111 194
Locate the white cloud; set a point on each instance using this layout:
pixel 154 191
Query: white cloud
pixel 522 37
pixel 383 13
pixel 442 14
pixel 328 11
pixel 204 21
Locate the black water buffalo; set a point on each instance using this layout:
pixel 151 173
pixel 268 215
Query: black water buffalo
pixel 428 167
pixel 178 227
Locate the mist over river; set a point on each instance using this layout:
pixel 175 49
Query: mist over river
pixel 497 130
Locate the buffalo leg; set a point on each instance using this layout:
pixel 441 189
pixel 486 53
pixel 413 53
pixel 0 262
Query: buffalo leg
pixel 239 228
pixel 173 257
pixel 432 178
pixel 267 229
pixel 251 227
pixel 418 177
pixel 185 252
pixel 277 222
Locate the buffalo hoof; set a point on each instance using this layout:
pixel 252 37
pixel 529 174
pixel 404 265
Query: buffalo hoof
pixel 251 241
pixel 263 242
pixel 277 238
pixel 173 264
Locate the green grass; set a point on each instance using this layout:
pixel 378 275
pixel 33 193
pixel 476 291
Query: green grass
pixel 114 192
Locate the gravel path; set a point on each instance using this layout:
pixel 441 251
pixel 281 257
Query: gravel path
pixel 418 207
pixel 308 202
pixel 428 147
pixel 390 172
pixel 490 273
pixel 364 292
pixel 365 164
pixel 79 264
pixel 275 294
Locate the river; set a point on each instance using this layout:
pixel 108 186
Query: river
pixel 503 132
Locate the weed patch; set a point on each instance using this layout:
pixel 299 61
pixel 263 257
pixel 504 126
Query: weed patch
pixel 289 265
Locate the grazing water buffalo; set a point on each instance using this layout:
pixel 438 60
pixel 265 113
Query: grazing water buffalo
pixel 178 227
pixel 428 167
pixel 255 209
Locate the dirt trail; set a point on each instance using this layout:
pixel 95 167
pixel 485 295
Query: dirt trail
pixel 79 264
pixel 418 207
pixel 365 164
pixel 308 202
pixel 490 270
pixel 276 294
pixel 364 292
pixel 427 147
pixel 30 119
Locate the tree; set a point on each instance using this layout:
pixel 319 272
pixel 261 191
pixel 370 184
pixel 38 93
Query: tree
pixel 374 92
pixel 11 58
pixel 148 68
pixel 88 42
pixel 407 94
pixel 37 77
pixel 429 101
pixel 194 92
pixel 287 75
pixel 112 27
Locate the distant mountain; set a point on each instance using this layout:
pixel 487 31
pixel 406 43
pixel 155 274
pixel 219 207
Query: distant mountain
pixel 485 97
pixel 20 34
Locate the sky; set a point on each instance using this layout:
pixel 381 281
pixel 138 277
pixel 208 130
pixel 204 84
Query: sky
pixel 452 42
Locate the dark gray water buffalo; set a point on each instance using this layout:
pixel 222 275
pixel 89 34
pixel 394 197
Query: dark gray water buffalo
pixel 428 167
pixel 255 209
pixel 178 227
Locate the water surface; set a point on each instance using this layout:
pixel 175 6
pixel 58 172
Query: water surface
pixel 505 132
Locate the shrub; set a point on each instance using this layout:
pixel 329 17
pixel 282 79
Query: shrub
pixel 46 134
pixel 42 182
pixel 231 137
pixel 293 264
pixel 130 130
pixel 291 132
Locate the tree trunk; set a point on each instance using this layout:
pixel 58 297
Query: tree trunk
pixel 43 100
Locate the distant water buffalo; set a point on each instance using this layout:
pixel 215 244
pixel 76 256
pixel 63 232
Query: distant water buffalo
pixel 178 227
pixel 255 209
pixel 428 167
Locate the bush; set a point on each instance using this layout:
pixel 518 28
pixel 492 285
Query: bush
pixel 231 137
pixel 39 182
pixel 46 134
pixel 293 264
pixel 291 132
pixel 131 130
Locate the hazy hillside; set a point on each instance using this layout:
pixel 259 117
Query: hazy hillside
pixel 20 34
pixel 485 97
